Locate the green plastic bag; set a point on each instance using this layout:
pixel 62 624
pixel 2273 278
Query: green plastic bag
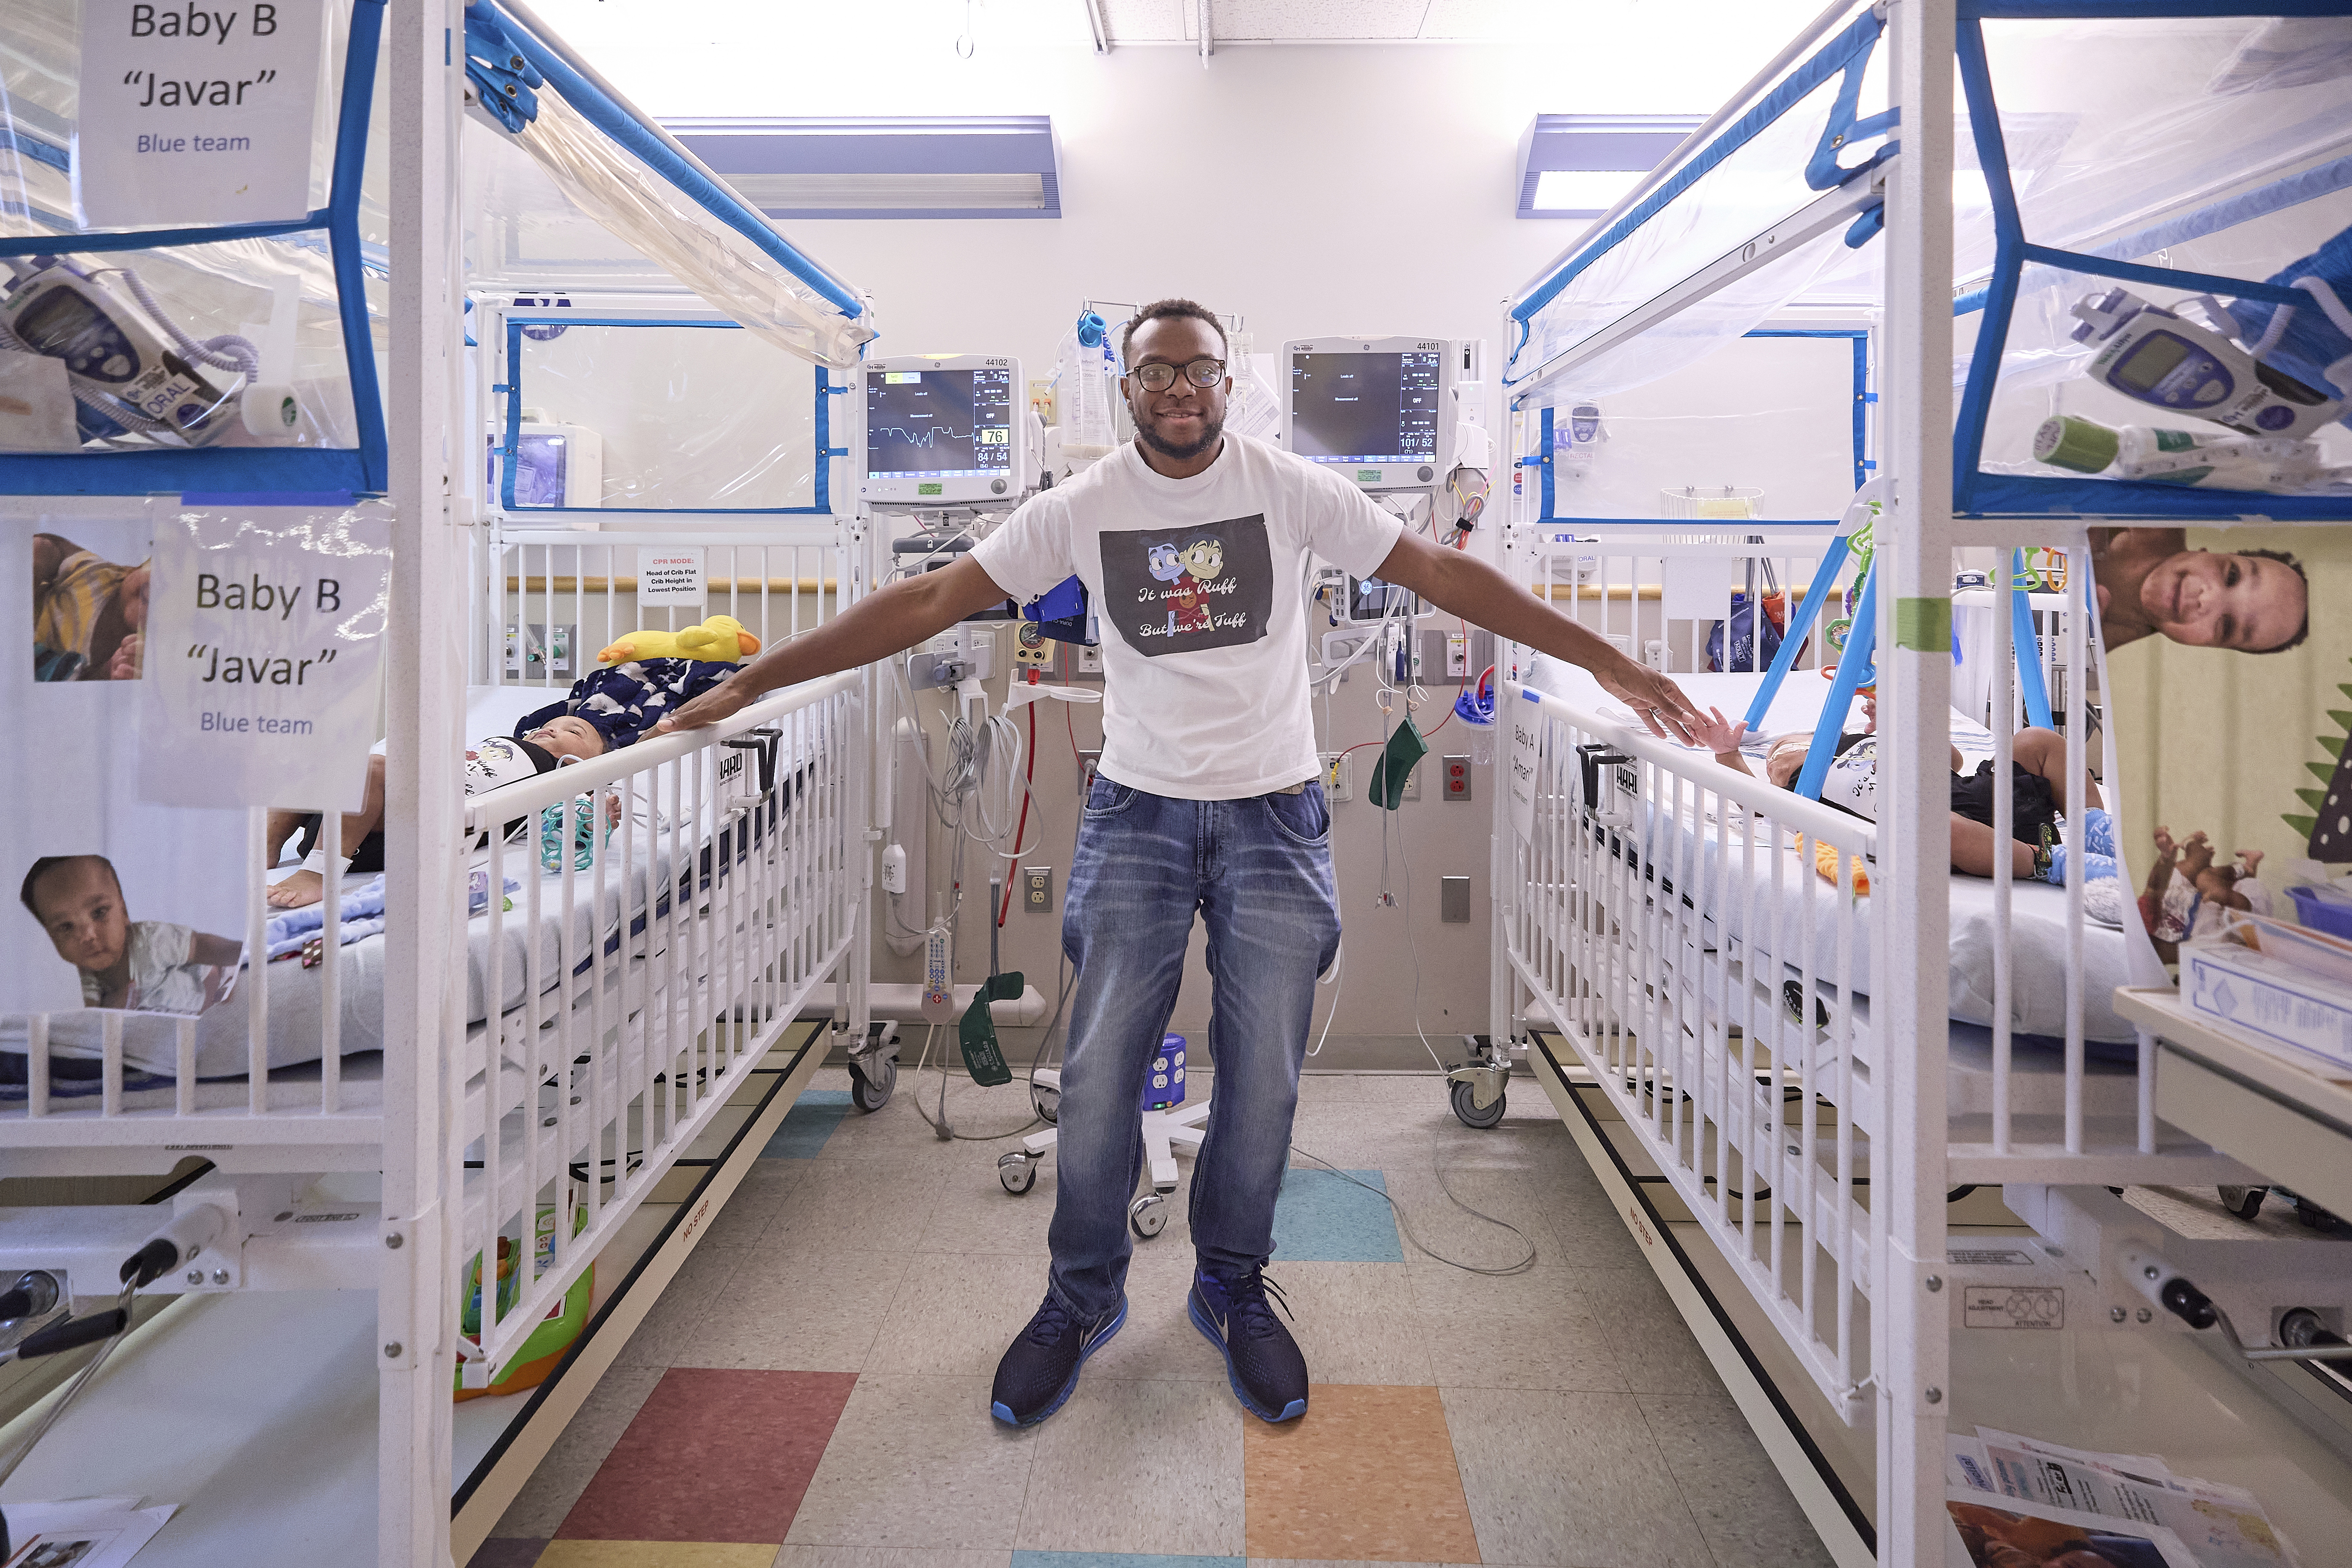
pixel 976 1033
pixel 1395 764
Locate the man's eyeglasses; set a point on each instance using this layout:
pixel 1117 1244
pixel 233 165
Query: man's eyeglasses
pixel 1159 375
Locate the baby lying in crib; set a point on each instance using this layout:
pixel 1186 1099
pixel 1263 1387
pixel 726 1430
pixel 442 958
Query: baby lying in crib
pixel 607 709
pixel 2037 785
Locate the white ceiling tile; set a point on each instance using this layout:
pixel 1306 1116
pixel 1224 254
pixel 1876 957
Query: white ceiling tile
pixel 1146 21
pixel 1251 21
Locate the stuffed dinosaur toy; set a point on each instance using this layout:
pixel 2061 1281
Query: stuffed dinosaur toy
pixel 721 640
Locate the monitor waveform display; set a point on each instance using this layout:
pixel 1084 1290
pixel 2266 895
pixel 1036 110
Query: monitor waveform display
pixel 938 424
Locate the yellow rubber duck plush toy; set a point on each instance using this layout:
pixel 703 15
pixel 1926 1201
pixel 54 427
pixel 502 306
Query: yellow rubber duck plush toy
pixel 721 640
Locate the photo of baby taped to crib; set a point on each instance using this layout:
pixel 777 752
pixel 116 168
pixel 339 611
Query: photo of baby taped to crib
pixel 90 600
pixel 122 963
pixel 2230 697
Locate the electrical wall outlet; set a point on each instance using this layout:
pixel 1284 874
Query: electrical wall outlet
pixel 1457 770
pixel 1337 785
pixel 1037 889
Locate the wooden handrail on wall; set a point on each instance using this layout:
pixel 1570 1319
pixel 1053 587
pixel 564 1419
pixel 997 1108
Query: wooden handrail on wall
pixel 629 584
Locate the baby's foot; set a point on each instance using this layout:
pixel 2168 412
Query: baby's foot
pixel 2164 843
pixel 2196 857
pixel 2250 862
pixel 298 889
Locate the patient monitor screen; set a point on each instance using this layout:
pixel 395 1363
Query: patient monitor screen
pixel 938 424
pixel 1364 407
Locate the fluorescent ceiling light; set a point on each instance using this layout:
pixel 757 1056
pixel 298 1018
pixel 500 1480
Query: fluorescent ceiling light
pixel 795 193
pixel 994 166
pixel 1583 190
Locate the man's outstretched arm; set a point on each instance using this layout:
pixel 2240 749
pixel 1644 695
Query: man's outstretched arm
pixel 887 621
pixel 1469 587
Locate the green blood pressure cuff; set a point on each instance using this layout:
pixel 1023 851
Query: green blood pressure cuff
pixel 976 1032
pixel 1396 766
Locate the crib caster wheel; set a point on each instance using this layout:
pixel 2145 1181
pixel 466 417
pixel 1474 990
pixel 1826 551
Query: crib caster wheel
pixel 1471 1113
pixel 2244 1202
pixel 1045 1103
pixel 1147 1215
pixel 870 1094
pixel 1017 1171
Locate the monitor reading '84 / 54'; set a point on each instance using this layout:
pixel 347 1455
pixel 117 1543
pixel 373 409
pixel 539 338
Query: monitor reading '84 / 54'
pixel 944 428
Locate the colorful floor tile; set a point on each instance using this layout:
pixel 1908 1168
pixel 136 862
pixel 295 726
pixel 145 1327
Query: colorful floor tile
pixel 498 1552
pixel 655 1554
pixel 1366 1475
pixel 1324 1217
pixel 712 1456
pixel 1118 1559
pixel 806 1126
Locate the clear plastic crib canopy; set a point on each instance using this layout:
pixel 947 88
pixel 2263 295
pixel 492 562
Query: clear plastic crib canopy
pixel 2197 163
pixel 595 158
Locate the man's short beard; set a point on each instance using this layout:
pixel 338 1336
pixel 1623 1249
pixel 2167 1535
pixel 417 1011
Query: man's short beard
pixel 1211 433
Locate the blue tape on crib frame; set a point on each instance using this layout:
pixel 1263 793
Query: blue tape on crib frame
pixel 2025 647
pixel 1833 57
pixel 662 160
pixel 512 388
pixel 1546 467
pixel 38 151
pixel 1861 647
pixel 1978 493
pixel 249 470
pixel 1800 627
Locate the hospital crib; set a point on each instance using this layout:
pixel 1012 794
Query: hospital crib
pixel 640 931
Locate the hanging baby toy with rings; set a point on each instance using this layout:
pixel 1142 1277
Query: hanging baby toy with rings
pixel 1859 542
pixel 132 372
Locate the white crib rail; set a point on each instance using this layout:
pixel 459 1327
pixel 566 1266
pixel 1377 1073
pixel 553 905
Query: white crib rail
pixel 721 890
pixel 1700 1045
pixel 1632 913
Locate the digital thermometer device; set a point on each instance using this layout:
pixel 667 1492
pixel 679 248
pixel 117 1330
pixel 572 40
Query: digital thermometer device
pixel 2156 356
pixel 128 370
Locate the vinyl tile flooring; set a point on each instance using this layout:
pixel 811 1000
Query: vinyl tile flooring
pixel 812 1391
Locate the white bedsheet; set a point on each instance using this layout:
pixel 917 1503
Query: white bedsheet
pixel 1735 896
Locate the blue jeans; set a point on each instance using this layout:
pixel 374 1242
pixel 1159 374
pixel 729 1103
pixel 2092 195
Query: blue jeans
pixel 1259 872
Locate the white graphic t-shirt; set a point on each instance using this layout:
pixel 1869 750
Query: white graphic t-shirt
pixel 1197 587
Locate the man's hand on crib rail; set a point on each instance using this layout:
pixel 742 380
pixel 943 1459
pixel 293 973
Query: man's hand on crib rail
pixel 887 621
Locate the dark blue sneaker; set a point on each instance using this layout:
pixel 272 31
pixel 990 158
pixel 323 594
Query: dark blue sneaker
pixel 1041 1368
pixel 1262 1361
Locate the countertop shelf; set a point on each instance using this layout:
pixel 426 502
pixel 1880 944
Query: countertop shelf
pixel 2285 1120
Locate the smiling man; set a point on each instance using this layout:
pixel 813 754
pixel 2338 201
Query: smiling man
pixel 2151 584
pixel 1193 545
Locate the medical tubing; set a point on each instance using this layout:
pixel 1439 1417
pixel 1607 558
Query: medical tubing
pixel 227 352
pixel 120 1317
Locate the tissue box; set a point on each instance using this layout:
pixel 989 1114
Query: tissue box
pixel 2269 1003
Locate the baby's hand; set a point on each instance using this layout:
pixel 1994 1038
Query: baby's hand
pixel 2196 857
pixel 1718 735
pixel 2164 846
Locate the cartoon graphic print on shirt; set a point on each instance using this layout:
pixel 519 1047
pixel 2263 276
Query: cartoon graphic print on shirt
pixel 1176 590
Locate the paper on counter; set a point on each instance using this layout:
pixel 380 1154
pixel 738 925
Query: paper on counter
pixel 89 1533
